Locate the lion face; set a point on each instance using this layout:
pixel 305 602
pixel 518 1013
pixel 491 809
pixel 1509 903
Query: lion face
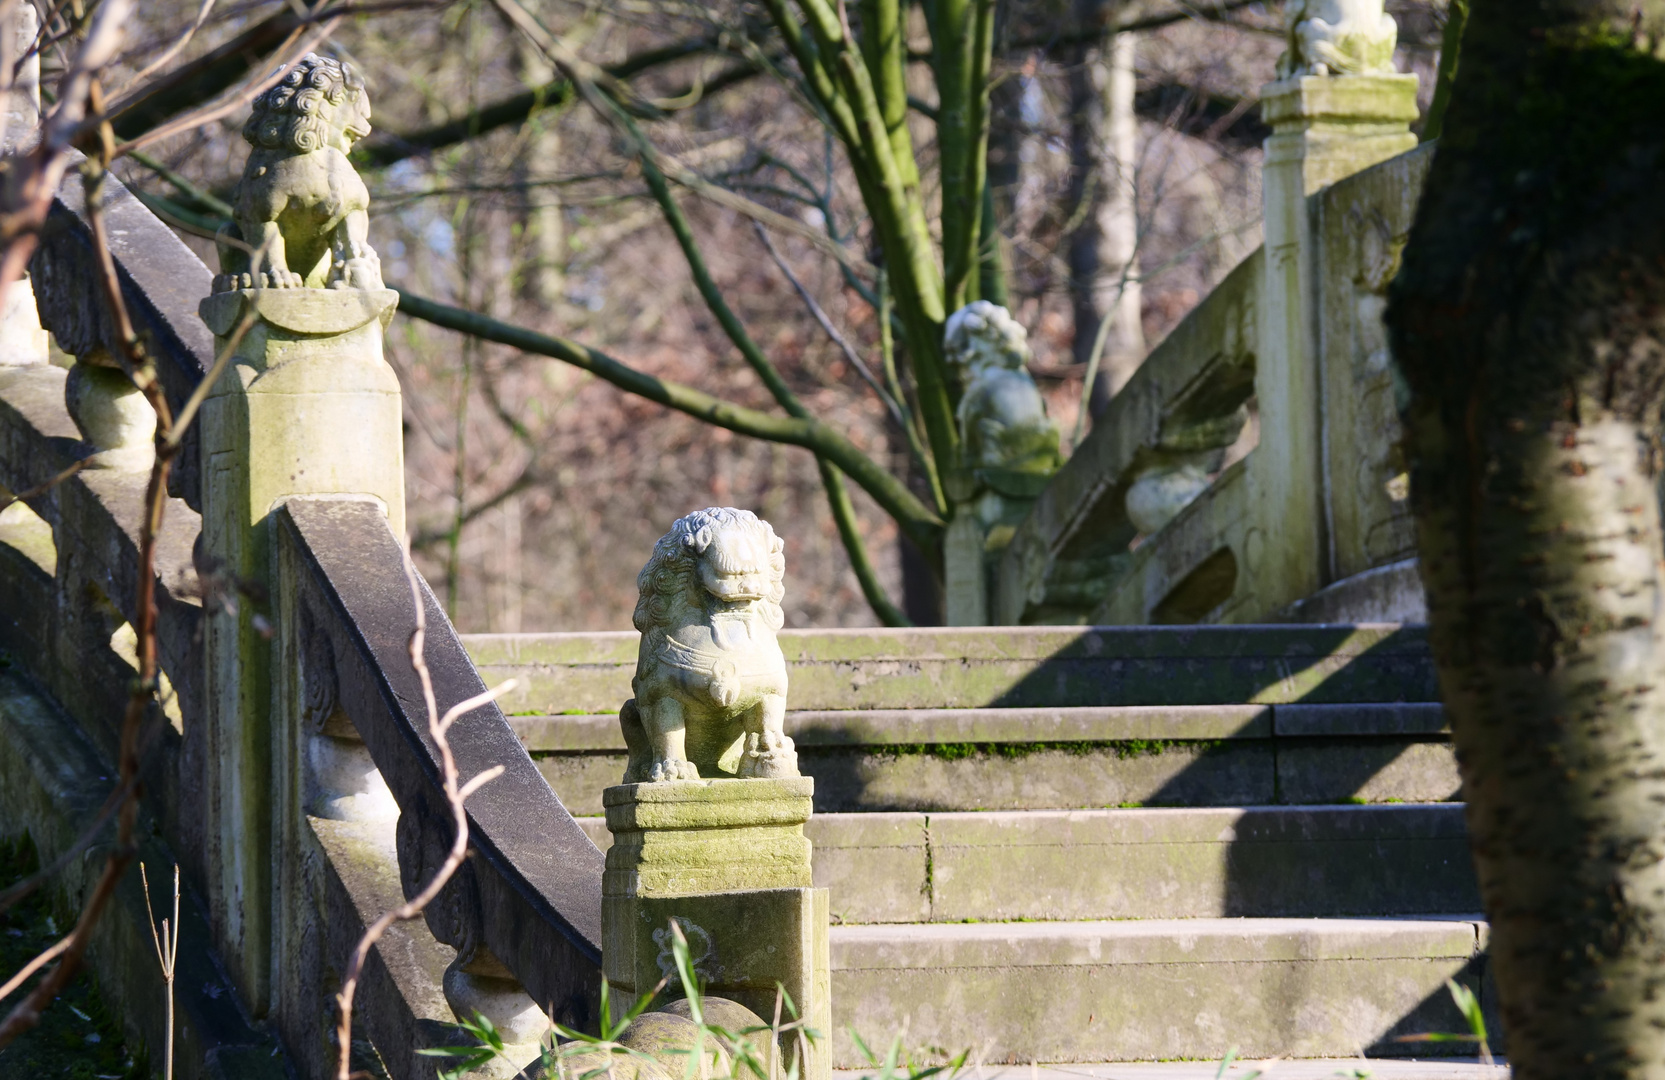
pixel 718 559
pixel 737 564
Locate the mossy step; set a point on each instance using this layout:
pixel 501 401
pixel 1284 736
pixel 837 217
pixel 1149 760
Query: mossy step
pixel 1012 667
pixel 1058 725
pixel 1149 989
pixel 1066 775
pixel 1139 864
pixel 1312 1069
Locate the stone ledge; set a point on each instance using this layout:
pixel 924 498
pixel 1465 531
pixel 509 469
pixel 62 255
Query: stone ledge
pixel 708 804
pixel 1152 990
pixel 1078 724
pixel 1145 863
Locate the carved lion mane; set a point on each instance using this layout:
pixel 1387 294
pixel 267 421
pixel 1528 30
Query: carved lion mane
pixel 295 114
pixel 671 576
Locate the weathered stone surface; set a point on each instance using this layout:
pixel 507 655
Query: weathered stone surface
pixel 401 1006
pixel 1367 770
pixel 1408 718
pixel 964 777
pixel 1151 989
pixel 1008 667
pixel 681 837
pixel 1143 864
pixel 875 867
pixel 114 418
pixel 727 861
pixel 1140 863
pixel 532 892
pixel 894 727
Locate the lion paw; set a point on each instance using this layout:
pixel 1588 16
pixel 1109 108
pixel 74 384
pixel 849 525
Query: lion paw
pixel 673 769
pixel 770 764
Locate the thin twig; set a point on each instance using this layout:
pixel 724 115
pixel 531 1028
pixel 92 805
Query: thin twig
pixel 455 795
pixel 170 52
pixel 828 328
pixel 41 489
pixel 235 99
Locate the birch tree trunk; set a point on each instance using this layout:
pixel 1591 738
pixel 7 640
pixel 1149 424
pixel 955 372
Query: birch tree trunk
pixel 543 219
pixel 1103 251
pixel 1529 324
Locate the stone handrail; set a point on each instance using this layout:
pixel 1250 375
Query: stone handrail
pixel 1167 429
pixel 532 894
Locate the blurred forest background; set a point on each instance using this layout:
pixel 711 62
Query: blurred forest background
pixel 535 491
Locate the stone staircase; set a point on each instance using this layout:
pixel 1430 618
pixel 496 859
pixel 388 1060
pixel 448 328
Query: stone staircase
pixel 1107 844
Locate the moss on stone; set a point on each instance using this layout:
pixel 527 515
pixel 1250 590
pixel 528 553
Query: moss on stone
pixel 1017 751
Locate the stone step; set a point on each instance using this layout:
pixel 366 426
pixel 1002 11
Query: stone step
pixel 1005 666
pixel 1153 989
pixel 1139 864
pixel 1312 1069
pixel 1066 757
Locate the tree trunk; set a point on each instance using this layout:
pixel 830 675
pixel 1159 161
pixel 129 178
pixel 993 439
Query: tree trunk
pixel 1103 251
pixel 543 223
pixel 1527 322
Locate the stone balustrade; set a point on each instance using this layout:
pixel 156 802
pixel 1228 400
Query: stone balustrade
pixel 342 810
pixel 1176 509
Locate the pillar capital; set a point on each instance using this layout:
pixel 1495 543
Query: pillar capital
pixel 1336 125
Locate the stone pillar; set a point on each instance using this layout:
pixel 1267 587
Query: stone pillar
pixel 1324 128
pixel 308 406
pixel 728 860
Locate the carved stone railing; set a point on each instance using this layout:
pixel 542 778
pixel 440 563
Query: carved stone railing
pixel 1142 525
pixel 358 814
pixel 1168 429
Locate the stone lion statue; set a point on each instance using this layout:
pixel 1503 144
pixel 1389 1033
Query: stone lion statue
pixel 1003 421
pixel 1338 37
pixel 300 199
pixel 710 679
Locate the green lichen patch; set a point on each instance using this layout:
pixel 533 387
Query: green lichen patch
pixel 1017 751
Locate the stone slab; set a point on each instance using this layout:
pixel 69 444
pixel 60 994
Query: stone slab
pixel 1148 863
pixel 953 777
pixel 967 778
pixel 1396 718
pixel 1139 863
pixel 1151 989
pixel 889 727
pixel 1311 1069
pixel 1012 667
pixel 1376 770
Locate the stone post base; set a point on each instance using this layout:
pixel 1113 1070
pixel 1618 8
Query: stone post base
pixel 728 860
